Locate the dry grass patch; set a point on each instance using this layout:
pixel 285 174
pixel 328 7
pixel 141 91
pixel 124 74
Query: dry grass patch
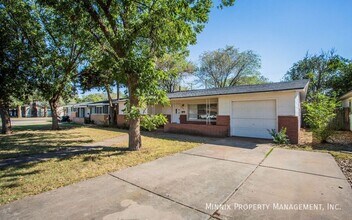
pixel 34 178
pixel 27 140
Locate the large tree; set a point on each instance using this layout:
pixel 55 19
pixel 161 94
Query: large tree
pixel 135 33
pixel 341 82
pixel 227 67
pixel 320 69
pixel 59 53
pixel 100 75
pixel 15 59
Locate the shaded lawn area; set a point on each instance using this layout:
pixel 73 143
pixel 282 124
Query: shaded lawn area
pixel 33 178
pixel 34 139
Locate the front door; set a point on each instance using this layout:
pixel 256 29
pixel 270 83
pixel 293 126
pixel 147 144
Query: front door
pixel 176 111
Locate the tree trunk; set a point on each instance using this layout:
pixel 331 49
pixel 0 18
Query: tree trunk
pixel 5 118
pixel 45 111
pixel 116 107
pixel 19 112
pixel 54 115
pixel 111 105
pixel 135 141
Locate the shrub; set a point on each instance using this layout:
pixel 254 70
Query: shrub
pixel 279 137
pixel 152 122
pixel 65 118
pixel 320 110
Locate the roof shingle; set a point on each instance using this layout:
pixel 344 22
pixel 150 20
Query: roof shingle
pixel 268 87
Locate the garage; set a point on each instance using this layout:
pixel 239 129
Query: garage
pixel 253 118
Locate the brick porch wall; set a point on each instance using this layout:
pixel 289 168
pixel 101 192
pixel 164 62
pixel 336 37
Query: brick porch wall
pixel 78 120
pixel 121 120
pixel 100 119
pixel 292 125
pixel 196 129
pixel 223 120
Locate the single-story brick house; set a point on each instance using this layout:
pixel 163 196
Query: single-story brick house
pixel 95 111
pixel 246 111
pixel 32 109
pixel 347 103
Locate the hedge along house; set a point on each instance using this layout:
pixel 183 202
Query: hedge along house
pixel 245 111
pixel 347 105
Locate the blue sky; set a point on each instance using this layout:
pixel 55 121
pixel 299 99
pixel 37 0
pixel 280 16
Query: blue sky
pixel 280 31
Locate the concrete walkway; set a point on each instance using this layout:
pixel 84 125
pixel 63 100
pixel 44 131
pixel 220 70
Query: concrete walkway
pixel 229 179
pixel 66 152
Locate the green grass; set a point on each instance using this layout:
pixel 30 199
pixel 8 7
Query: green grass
pixel 34 139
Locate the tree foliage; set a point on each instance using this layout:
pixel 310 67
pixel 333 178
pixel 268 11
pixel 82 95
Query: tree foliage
pixel 15 58
pixel 228 67
pixel 58 52
pixel 177 68
pixel 320 69
pixel 320 110
pixel 152 122
pixel 253 79
pixel 134 34
pixel 341 82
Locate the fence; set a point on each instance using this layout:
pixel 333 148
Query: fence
pixel 342 119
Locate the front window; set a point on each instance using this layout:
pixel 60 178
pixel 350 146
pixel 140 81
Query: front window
pixel 99 110
pixel 201 112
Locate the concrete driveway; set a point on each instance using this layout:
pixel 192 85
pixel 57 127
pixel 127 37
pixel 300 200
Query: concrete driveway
pixel 231 178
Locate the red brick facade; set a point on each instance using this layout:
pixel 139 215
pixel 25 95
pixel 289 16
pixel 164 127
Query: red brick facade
pixel 220 128
pixel 100 119
pixel 223 120
pixel 121 121
pixel 291 123
pixel 203 130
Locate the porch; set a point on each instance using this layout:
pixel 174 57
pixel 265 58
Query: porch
pixel 197 117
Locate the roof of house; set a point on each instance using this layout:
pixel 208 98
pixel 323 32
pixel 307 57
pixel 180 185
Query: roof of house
pixel 268 87
pixel 347 95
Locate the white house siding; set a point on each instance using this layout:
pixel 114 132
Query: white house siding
pixel 298 107
pixel 122 107
pixel 286 101
pixel 154 109
pixel 345 103
pixel 167 110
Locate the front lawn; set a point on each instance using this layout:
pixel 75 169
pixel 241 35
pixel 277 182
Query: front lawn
pixel 34 139
pixel 33 178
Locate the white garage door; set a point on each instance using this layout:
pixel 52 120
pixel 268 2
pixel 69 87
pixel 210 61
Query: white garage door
pixel 253 118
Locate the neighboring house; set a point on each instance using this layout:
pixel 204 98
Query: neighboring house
pixel 77 112
pixel 245 111
pixel 347 104
pixel 33 109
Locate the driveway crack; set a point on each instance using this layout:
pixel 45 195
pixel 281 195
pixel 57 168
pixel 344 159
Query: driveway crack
pixel 216 213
